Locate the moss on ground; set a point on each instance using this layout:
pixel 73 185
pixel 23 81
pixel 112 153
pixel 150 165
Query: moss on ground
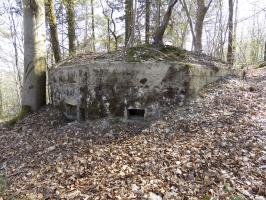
pixel 3 185
pixel 7 195
pixel 188 66
pixel 25 110
pixel 261 65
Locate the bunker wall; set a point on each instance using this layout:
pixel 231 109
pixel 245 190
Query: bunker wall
pixel 127 90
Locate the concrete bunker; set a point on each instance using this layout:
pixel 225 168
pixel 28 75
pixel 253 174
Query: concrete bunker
pixel 130 90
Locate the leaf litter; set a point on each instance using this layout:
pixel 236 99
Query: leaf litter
pixel 214 147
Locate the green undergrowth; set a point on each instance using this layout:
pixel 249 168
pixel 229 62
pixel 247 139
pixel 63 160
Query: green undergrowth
pixel 7 195
pixel 25 110
pixel 149 52
pixel 3 185
pixel 261 65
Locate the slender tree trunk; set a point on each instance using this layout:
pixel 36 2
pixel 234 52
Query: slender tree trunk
pixel 230 33
pixel 13 32
pixel 129 20
pixel 200 15
pixel 215 35
pixel 201 12
pixel 220 28
pixel 62 25
pixel 184 35
pixel 71 26
pixel 147 21
pixel 1 101
pixel 187 10
pixel 86 25
pixel 235 30
pixel 159 33
pixel 265 51
pixel 92 26
pixel 113 31
pixel 158 16
pixel 51 17
pixel 108 36
pixel 34 88
pixel 138 29
pixel 133 26
pixel 111 24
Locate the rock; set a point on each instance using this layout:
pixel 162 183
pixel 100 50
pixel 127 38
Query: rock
pixel 260 198
pixel 170 196
pixel 263 167
pixel 153 196
pixel 134 187
pixel 245 192
pixel 59 170
pixel 51 148
pixel 252 89
pixel 73 194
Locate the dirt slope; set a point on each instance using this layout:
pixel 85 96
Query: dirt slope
pixel 213 147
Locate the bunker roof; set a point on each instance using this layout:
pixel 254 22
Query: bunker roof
pixel 145 53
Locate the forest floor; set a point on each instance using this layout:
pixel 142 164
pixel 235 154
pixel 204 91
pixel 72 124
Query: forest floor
pixel 215 146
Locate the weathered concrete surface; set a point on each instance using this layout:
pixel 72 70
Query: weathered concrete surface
pixel 112 89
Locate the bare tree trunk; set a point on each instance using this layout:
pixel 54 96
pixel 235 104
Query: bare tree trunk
pixel 108 36
pixel 62 25
pixel 14 33
pixel 200 15
pixel 138 29
pixel 158 16
pixel 215 35
pixel 133 26
pixel 184 36
pixel 34 95
pixel 110 23
pixel 1 101
pixel 230 33
pixel 159 33
pixel 50 13
pixel 199 27
pixel 235 30
pixel 253 53
pixel 184 5
pixel 223 32
pixel 71 26
pixel 147 21
pixel 129 20
pixel 92 26
pixel 265 52
pixel 113 32
pixel 86 25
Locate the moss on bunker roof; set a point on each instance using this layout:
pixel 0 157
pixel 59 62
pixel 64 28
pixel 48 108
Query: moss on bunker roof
pixel 148 52
pixel 145 53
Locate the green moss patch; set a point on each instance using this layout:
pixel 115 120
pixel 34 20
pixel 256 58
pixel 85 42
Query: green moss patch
pixel 3 185
pixel 261 65
pixel 25 110
pixel 150 52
